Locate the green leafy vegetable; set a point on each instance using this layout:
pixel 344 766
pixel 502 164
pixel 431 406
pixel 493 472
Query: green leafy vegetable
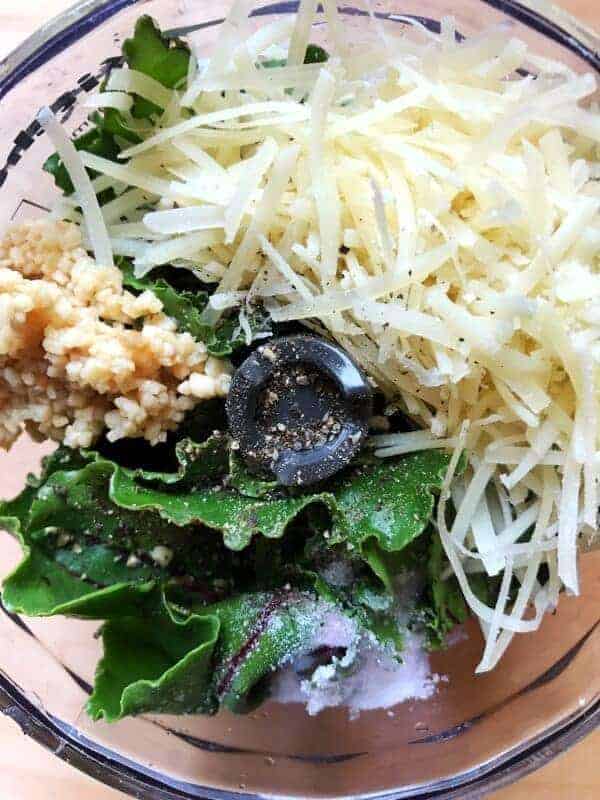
pixel 368 604
pixel 96 504
pixel 157 663
pixel 204 463
pixel 149 51
pixel 155 658
pixel 186 306
pixel 444 605
pixel 237 517
pixel 206 627
pixel 95 141
pixel 112 123
pixel 216 656
pixel 77 541
pixel 315 54
pixel 377 559
pixel 166 60
pixel 259 632
pixel 248 483
pixel 390 503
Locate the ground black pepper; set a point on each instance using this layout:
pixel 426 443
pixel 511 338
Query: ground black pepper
pixel 303 430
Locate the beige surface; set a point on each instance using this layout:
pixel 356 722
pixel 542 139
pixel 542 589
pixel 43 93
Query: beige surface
pixel 27 772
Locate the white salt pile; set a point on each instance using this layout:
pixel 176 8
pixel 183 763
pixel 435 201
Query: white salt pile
pixel 365 677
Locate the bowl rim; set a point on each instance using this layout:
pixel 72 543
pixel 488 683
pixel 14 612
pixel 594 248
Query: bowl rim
pixel 119 772
pixel 53 37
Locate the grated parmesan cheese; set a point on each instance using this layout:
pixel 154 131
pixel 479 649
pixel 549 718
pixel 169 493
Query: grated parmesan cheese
pixel 96 227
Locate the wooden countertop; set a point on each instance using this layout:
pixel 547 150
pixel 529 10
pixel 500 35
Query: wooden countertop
pixel 28 772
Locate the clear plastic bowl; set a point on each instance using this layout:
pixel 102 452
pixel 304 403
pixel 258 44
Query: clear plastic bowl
pixel 477 733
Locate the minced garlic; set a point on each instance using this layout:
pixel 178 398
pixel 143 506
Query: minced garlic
pixel 79 354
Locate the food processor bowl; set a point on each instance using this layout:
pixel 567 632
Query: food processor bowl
pixel 476 733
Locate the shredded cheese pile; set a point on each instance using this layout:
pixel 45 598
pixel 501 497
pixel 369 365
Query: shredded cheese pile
pixel 434 206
